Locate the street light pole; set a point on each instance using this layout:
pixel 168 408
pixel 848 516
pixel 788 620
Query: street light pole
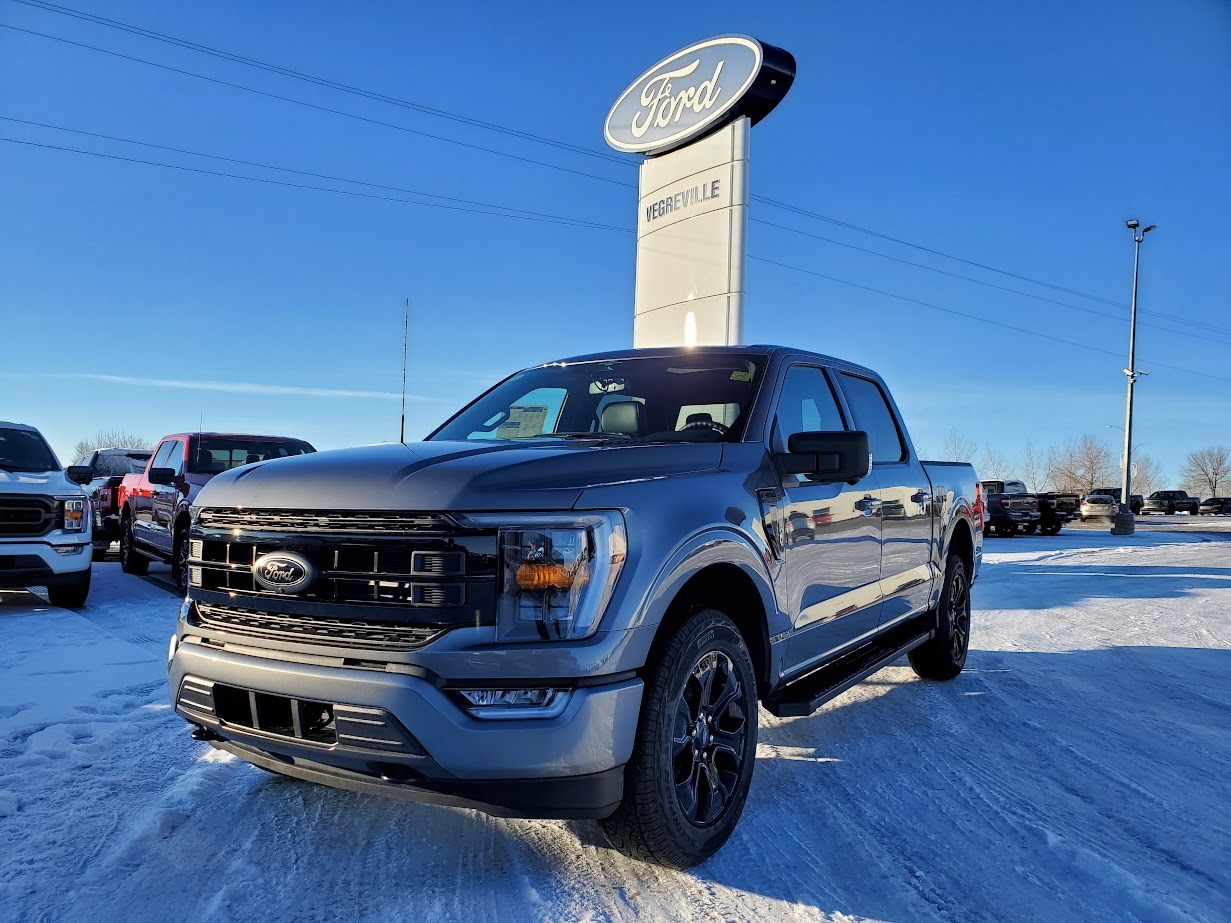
pixel 1124 521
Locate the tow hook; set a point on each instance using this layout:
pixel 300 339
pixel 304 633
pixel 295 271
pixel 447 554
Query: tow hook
pixel 204 733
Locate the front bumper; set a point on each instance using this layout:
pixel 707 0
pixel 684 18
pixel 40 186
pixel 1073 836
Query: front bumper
pixel 36 563
pixel 400 732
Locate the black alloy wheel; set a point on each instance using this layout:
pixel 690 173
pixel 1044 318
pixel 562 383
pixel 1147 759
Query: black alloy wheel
pixel 959 615
pixel 944 655
pixel 710 739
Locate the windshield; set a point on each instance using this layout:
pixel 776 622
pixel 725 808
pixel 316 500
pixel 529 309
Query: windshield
pixel 217 454
pixel 25 450
pixel 114 464
pixel 684 398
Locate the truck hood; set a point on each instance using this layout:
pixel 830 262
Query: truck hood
pixel 51 483
pixel 445 476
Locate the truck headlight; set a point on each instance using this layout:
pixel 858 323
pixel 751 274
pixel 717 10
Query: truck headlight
pixel 557 572
pixel 76 515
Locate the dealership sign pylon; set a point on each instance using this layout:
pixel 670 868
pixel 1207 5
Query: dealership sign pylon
pixel 691 115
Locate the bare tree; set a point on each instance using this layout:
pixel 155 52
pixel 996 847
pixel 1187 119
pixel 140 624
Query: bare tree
pixel 1081 465
pixel 1205 470
pixel 1032 468
pixel 1147 475
pixel 993 464
pixel 113 438
pixel 957 447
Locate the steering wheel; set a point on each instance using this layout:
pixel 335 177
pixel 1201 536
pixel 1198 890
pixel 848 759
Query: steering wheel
pixel 711 425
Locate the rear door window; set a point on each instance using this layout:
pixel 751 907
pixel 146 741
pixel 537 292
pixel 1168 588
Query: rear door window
pixel 873 415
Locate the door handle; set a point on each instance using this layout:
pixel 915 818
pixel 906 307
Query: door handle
pixel 921 496
pixel 869 505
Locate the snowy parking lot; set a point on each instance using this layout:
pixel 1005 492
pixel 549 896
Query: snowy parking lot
pixel 1079 769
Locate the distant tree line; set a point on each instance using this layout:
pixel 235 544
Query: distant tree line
pixel 1082 465
pixel 113 438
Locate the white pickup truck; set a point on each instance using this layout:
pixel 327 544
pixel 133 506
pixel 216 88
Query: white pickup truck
pixel 45 528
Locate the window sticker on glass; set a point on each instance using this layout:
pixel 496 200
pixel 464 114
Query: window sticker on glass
pixel 525 421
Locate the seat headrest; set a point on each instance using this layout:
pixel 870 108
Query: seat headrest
pixel 251 458
pixel 701 417
pixel 626 417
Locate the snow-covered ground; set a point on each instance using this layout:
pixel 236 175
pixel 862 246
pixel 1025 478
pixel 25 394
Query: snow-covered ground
pixel 1079 769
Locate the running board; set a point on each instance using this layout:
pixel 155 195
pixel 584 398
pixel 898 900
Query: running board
pixel 808 693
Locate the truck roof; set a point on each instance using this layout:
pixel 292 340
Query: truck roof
pixel 25 426
pixel 212 435
pixel 758 349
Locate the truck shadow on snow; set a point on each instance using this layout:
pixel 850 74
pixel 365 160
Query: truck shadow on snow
pixel 1078 784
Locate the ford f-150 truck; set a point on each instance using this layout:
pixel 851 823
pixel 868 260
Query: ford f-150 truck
pixel 574 598
pixel 154 504
pixel 45 533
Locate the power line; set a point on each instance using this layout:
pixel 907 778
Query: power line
pixel 551 219
pixel 786 206
pixel 325 82
pixel 976 317
pixel 320 81
pixel 955 275
pixel 490 210
pixel 528 136
pixel 326 176
pixel 319 108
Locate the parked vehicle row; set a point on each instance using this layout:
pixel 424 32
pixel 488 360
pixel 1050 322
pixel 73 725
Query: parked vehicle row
pixel 1013 509
pixel 108 467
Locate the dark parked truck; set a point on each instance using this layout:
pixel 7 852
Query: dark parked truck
pixel 109 467
pixel 1170 502
pixel 575 597
pixel 154 504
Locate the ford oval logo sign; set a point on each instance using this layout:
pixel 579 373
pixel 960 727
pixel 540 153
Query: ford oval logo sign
pixel 698 90
pixel 284 572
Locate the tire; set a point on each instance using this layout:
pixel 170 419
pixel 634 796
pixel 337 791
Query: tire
pixel 131 560
pixel 70 592
pixel 1029 528
pixel 1053 529
pixel 1170 509
pixel 943 657
pixel 179 560
pixel 98 554
pixel 668 822
pixel 1004 530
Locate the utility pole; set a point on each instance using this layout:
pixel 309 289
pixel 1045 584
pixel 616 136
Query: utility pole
pixel 1124 523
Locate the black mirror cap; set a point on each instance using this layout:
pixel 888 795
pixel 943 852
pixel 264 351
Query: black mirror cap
pixel 79 474
pixel 161 475
pixel 828 457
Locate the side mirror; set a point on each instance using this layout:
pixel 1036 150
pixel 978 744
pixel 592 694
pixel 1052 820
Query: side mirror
pixel 161 475
pixel 828 457
pixel 79 474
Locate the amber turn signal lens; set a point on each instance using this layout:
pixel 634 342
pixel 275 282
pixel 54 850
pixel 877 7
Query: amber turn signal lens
pixel 539 576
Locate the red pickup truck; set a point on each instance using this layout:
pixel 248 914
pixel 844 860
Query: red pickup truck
pixel 154 504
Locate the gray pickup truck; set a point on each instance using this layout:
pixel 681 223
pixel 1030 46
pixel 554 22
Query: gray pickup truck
pixel 573 599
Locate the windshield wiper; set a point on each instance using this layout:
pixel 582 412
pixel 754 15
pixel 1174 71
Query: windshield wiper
pixel 589 435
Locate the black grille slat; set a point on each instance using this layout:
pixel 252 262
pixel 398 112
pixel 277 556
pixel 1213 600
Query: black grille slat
pixel 356 633
pixel 344 522
pixel 27 515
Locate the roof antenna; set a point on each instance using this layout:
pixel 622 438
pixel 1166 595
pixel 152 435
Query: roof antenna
pixel 405 336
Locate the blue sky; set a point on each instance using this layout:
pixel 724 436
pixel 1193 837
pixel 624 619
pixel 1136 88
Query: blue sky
pixel 1016 137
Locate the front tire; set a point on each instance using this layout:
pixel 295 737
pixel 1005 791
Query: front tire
pixel 696 744
pixel 131 560
pixel 70 591
pixel 944 656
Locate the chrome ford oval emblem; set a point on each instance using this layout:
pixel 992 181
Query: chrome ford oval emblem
pixel 284 572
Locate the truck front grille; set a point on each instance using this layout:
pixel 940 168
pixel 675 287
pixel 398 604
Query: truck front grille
pixel 323 521
pixel 366 634
pixel 23 515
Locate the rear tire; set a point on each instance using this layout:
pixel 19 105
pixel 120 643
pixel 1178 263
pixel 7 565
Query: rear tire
pixel 944 656
pixel 1029 529
pixel 70 591
pixel 1053 529
pixel 131 560
pixel 1005 531
pixel 695 750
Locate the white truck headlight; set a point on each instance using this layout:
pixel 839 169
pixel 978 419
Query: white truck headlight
pixel 557 572
pixel 76 515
